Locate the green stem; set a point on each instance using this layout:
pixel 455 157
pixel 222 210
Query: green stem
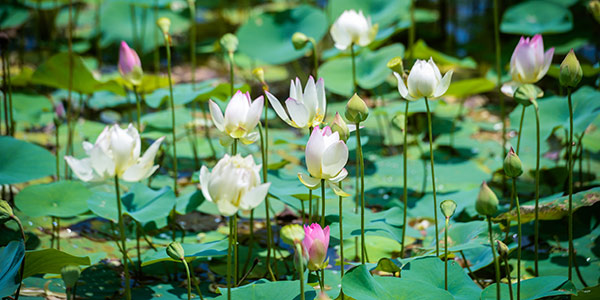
pixel 570 153
pixel 229 273
pixel 189 279
pixel 138 107
pixel 446 256
pixel 134 31
pixel 57 233
pixel 341 235
pixel 234 147
pixel 123 245
pixel 519 237
pixel 310 206
pixel 70 84
pixel 172 104
pixel 473 275
pixel 412 30
pixel 496 262
pixel 235 249
pixel 362 193
pixel 192 6
pixel 499 83
pixel 57 152
pixel 520 129
pixel 156 37
pixel 231 89
pixel 322 203
pixel 9 89
pixel 22 269
pixel 537 189
pixel 437 243
pixel 301 265
pixel 265 166
pixel 315 57
pixel 405 179
pixel 354 83
pixel 138 233
pixel 506 266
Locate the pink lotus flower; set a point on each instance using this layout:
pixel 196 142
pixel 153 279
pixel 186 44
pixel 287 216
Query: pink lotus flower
pixel 130 65
pixel 528 63
pixel 315 244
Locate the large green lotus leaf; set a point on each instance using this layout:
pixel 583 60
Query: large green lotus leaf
pixel 553 208
pixel 358 283
pixel 431 270
pixel 141 202
pixel 103 99
pixel 382 12
pixel 162 119
pixel 12 16
pixel 61 199
pixel 22 161
pixel 468 87
pixel 462 236
pixel 264 289
pixel 192 251
pixel 50 261
pixel 32 109
pixel 54 72
pixel 268 36
pixel 422 51
pixel 534 288
pixel 182 93
pixel 386 223
pixel 536 16
pixel 116 24
pixel 371 69
pixel 11 256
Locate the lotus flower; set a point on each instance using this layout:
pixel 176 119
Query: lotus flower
pixel 315 244
pixel 241 117
pixel 115 153
pixel 304 110
pixel 326 156
pixel 352 27
pixel 233 184
pixel 424 80
pixel 130 66
pixel 528 63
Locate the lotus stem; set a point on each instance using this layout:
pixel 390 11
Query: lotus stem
pixel 229 256
pixel 138 107
pixel 235 249
pixel 301 265
pixel 70 85
pixel 520 130
pixel 322 203
pixel 412 30
pixel 405 186
pixel 192 5
pixel 341 237
pixel 506 266
pixel 446 255
pixel 22 268
pixel 570 153
pixel 462 254
pixel 499 83
pixel 354 82
pixel 437 242
pixel 496 262
pixel 10 129
pixel 231 75
pixel 172 104
pixel 537 189
pixel 189 279
pixel 315 57
pixel 57 151
pixel 156 37
pixel 57 233
pixel 361 163
pixel 519 236
pixel 137 246
pixel 123 245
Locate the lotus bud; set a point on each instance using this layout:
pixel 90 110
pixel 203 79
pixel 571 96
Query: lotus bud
pixel 292 234
pixel 6 211
pixel 570 71
pixel 396 65
pixel 594 7
pixel 356 109
pixel 130 65
pixel 59 109
pixel 527 94
pixel 316 242
pixel 175 251
pixel 340 126
pixel 164 24
pixel 259 74
pixel 448 207
pixel 323 296
pixel 512 165
pixel 502 249
pixel 487 202
pixel 229 42
pixel 70 275
pixel 299 40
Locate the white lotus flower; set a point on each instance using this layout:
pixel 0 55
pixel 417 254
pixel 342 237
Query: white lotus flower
pixel 528 64
pixel 116 152
pixel 326 156
pixel 304 110
pixel 241 117
pixel 424 80
pixel 352 27
pixel 233 184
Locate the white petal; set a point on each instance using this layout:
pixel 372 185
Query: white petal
pixel 226 208
pixel 236 111
pixel 255 196
pixel 253 116
pixel 340 176
pixel 132 131
pixel 121 144
pixel 297 112
pixel 509 88
pixel 310 98
pixel 250 138
pixel 309 181
pixel 442 87
pixel 314 152
pixel 401 86
pixel 204 180
pixel 546 65
pixel 82 168
pixel 217 115
pixel 102 164
pixel 322 102
pixel 436 70
pixel 138 172
pixel 278 107
pixel 337 190
pixel 335 158
pixel 340 37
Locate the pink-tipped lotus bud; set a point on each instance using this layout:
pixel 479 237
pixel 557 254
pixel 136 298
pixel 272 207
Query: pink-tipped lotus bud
pixel 130 65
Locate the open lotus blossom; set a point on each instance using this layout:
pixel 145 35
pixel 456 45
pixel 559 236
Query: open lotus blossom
pixel 233 184
pixel 326 156
pixel 304 110
pixel 315 244
pixel 130 65
pixel 116 152
pixel 352 27
pixel 424 80
pixel 241 117
pixel 528 63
